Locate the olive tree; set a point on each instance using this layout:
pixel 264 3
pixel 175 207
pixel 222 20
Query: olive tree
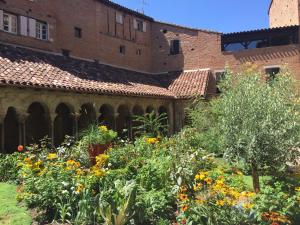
pixel 259 120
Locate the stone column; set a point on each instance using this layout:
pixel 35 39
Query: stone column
pixel 2 117
pixel 52 117
pixel 75 124
pixel 22 117
pixel 116 115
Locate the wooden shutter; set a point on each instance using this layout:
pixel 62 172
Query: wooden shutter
pixel 144 26
pixel 135 24
pixel 1 19
pixel 24 25
pixel 32 27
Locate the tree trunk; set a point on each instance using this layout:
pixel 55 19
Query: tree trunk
pixel 255 178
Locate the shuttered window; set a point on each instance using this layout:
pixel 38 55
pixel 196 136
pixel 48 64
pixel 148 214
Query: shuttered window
pixel 119 18
pixel 10 23
pixel 140 25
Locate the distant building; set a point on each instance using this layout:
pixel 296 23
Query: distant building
pixel 64 64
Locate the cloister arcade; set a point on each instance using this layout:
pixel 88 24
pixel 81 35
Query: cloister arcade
pixel 26 121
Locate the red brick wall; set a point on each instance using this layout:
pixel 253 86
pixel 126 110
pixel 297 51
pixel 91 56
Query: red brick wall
pixel 101 36
pixel 284 13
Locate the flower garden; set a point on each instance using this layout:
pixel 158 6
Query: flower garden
pixel 199 176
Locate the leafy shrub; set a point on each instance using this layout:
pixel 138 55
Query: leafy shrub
pixel 278 203
pixel 9 167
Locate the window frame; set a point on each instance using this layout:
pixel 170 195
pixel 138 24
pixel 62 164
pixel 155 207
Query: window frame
pixel 122 49
pixel 119 18
pixel 39 29
pixel 78 32
pixel 172 47
pixel 10 29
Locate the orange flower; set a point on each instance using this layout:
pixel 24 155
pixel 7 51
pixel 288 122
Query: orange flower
pixel 184 208
pixel 183 197
pixel 20 148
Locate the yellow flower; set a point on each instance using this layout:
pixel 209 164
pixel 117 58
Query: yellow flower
pixel 200 200
pixel 98 172
pixel 79 188
pixel 72 164
pixel 220 203
pixel 202 175
pixel 297 189
pixel 248 194
pixel 103 128
pixel 197 187
pixel 79 172
pixel 52 156
pixel 248 206
pixel 208 180
pixel 101 160
pixel 152 140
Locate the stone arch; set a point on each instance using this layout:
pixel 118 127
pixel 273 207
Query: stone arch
pixel 106 116
pixel 136 111
pixel 37 123
pixel 63 123
pixel 11 130
pixel 123 122
pixel 87 116
pixel 150 109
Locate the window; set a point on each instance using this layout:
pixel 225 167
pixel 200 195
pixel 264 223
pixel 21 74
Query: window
pixel 10 23
pixel 271 72
pixel 139 52
pixel 140 25
pixel 220 75
pixel 78 32
pixel 119 18
pixel 41 30
pixel 175 47
pixel 122 49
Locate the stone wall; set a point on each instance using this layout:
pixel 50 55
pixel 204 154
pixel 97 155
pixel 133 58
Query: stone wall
pixel 21 102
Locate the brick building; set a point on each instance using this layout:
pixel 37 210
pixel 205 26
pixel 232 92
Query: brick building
pixel 66 63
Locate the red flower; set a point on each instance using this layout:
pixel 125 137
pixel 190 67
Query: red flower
pixel 183 221
pixel 20 148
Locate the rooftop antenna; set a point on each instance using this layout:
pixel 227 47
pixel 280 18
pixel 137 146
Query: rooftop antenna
pixel 143 3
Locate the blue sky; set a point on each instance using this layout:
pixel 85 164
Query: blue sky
pixel 219 15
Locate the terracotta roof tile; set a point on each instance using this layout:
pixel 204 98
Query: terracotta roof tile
pixel 24 67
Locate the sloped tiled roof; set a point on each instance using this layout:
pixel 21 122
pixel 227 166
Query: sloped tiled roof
pixel 185 84
pixel 29 68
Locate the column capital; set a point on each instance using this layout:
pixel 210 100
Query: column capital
pixel 52 116
pixel 22 117
pixel 2 117
pixel 116 114
pixel 76 115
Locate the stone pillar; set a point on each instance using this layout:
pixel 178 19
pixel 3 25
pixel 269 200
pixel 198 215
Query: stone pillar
pixel 75 125
pixel 22 117
pixel 2 117
pixel 52 117
pixel 116 115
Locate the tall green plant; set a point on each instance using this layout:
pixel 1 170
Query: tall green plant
pixel 259 120
pixel 151 124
